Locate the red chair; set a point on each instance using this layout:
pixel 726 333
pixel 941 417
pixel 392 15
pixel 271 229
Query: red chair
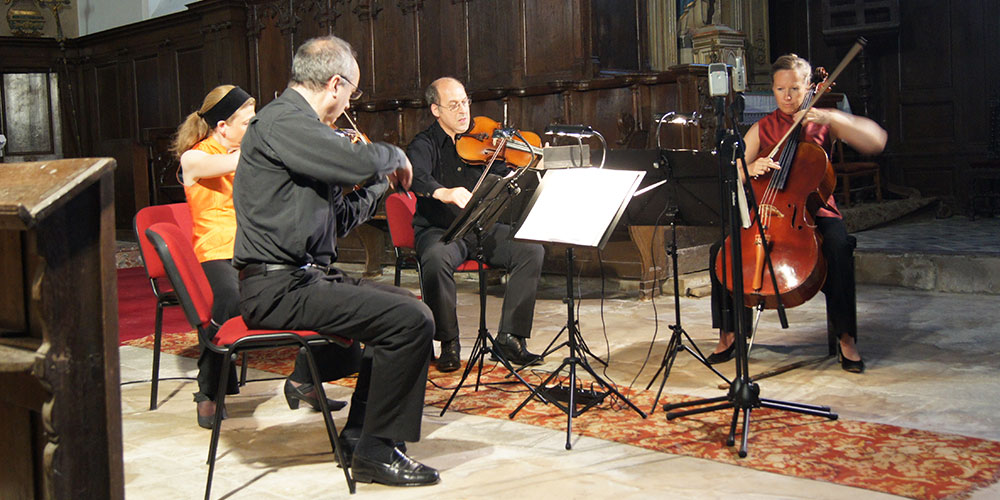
pixel 399 211
pixel 180 215
pixel 195 297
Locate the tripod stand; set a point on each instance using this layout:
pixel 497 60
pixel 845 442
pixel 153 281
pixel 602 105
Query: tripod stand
pixel 574 359
pixel 678 335
pixel 482 212
pixel 577 207
pixel 744 394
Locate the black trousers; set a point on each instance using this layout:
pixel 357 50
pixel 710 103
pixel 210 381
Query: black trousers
pixel 395 327
pixel 224 280
pixel 839 288
pixel 438 262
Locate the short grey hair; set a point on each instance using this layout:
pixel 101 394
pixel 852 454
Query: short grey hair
pixel 319 59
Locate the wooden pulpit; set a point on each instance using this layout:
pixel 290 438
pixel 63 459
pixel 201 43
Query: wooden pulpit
pixel 60 401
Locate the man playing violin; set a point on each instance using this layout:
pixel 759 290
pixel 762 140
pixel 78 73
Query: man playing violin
pixel 290 210
pixel 790 76
pixel 443 184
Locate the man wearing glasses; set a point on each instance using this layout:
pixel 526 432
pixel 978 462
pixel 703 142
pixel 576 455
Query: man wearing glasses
pixel 442 182
pixel 290 210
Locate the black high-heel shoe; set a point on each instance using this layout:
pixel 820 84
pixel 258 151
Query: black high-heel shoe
pixel 301 393
pixel 206 422
pixel 850 365
pixel 722 357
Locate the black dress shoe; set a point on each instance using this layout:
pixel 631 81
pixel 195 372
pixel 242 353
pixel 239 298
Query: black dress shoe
pixel 513 349
pixel 295 394
pixel 401 470
pixel 722 357
pixel 850 365
pixel 349 439
pixel 450 359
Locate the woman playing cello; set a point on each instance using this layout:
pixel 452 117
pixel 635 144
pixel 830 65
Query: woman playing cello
pixel 790 77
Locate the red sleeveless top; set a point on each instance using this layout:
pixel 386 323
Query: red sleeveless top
pixel 772 128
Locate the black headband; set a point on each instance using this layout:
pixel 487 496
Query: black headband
pixel 225 107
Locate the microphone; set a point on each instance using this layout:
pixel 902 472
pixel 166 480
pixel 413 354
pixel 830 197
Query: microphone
pixel 677 118
pixel 578 131
pixel 739 76
pixel 718 80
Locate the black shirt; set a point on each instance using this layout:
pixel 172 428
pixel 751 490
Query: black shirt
pixel 290 206
pixel 436 164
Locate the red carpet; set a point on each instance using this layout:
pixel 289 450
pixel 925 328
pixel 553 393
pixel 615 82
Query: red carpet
pixel 886 458
pixel 137 307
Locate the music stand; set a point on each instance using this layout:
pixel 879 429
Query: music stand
pixel 576 207
pixel 489 199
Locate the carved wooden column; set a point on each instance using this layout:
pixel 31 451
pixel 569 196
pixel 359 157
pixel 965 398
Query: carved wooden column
pixel 60 402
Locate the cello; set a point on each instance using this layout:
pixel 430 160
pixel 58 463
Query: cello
pixel 786 265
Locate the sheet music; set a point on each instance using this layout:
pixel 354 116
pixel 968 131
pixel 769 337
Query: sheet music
pixel 576 206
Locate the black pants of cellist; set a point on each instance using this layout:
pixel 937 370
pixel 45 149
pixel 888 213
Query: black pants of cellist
pixel 841 311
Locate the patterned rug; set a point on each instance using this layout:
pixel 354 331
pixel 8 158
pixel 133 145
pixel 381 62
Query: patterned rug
pixel 886 458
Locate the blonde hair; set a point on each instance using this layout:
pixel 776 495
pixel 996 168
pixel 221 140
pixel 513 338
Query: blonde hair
pixel 792 62
pixel 194 128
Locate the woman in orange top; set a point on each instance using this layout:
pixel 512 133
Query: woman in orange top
pixel 207 144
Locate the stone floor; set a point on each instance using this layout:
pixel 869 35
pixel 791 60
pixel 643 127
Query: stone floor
pixel 933 360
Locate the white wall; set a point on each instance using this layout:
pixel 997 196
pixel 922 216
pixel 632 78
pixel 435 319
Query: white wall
pixel 100 15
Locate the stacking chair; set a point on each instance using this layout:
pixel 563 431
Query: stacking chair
pixel 195 297
pixel 180 215
pixel 399 211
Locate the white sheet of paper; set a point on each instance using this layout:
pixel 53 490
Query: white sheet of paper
pixel 577 205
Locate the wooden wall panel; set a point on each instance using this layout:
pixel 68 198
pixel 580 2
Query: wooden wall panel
pixel 274 54
pixel 189 97
pixel 495 54
pixel 553 45
pixel 148 88
pixel 108 108
pixel 397 55
pixel 443 41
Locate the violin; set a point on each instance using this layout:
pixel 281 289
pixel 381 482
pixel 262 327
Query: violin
pixel 796 268
pixel 354 134
pixel 486 141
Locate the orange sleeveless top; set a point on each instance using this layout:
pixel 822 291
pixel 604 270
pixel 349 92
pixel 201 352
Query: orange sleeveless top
pixel 772 128
pixel 211 203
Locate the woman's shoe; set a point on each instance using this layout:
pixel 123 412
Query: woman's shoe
pixel 850 365
pixel 303 392
pixel 206 422
pixel 722 357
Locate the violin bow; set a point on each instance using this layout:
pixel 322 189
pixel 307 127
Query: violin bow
pixel 858 45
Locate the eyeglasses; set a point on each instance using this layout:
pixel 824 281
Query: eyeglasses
pixel 357 90
pixel 456 105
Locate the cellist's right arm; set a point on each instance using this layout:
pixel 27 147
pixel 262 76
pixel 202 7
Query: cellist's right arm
pixel 758 166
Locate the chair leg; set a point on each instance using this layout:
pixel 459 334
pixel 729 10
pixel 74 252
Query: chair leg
pixel 220 401
pixel 399 269
pixel 847 191
pixel 331 427
pixel 157 336
pixel 878 187
pixel 243 370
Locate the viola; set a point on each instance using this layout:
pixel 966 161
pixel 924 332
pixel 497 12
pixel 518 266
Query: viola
pixel 785 199
pixel 486 141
